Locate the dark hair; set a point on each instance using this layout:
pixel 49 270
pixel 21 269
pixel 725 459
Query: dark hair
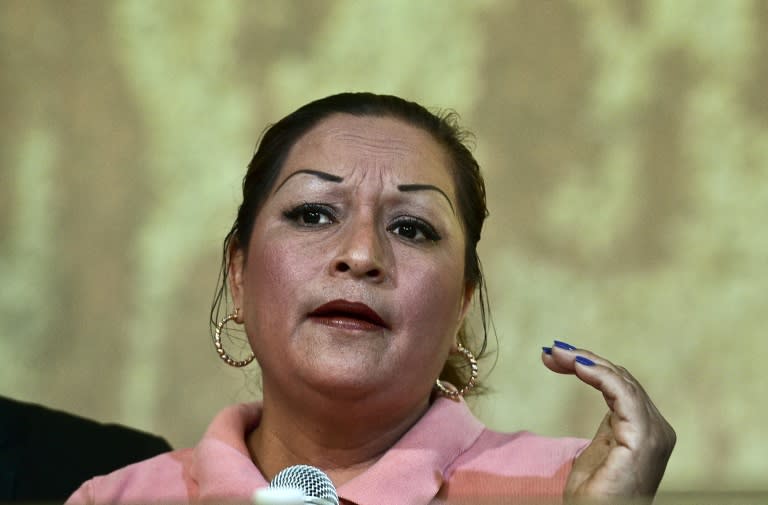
pixel 277 141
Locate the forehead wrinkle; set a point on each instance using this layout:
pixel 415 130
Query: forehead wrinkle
pixel 366 169
pixel 379 148
pixel 374 143
pixel 405 180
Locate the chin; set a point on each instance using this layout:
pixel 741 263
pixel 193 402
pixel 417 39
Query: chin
pixel 341 381
pixel 347 379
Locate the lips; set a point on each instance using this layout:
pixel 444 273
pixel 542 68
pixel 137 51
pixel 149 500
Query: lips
pixel 348 315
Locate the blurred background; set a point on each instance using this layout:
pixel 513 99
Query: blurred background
pixel 625 148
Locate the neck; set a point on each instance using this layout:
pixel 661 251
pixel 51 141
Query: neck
pixel 341 438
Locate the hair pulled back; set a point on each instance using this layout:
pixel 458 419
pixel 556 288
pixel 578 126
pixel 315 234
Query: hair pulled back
pixel 277 141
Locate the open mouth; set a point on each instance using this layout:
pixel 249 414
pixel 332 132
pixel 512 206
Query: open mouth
pixel 348 315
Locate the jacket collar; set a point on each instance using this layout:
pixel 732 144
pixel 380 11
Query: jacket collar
pixel 410 472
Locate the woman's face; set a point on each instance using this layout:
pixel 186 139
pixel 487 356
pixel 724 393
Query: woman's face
pixel 353 281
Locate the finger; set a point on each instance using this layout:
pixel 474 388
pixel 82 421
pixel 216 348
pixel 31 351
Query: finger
pixel 613 381
pixel 561 355
pixel 629 404
pixel 582 358
pixel 565 355
pixel 550 362
pixel 608 378
pixel 636 421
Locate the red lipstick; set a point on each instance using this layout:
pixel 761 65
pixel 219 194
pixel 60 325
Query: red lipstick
pixel 348 315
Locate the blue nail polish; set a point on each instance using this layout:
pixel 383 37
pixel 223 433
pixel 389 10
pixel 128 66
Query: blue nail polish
pixel 547 350
pixel 584 361
pixel 564 345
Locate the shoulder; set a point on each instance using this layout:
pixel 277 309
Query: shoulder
pixel 58 432
pixel 38 444
pixel 29 417
pixel 514 464
pixel 163 477
pixel 219 466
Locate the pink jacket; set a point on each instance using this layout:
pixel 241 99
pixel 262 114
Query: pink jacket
pixel 448 456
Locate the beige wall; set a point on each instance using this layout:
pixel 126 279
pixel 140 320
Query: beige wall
pixel 625 146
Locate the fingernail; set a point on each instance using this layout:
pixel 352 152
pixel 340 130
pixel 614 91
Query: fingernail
pixel 584 361
pixel 564 345
pixel 547 350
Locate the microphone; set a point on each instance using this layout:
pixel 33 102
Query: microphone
pixel 298 485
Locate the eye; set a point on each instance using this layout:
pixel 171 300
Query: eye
pixel 414 229
pixel 311 214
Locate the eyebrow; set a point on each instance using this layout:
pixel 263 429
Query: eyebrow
pixel 335 178
pixel 322 175
pixel 422 187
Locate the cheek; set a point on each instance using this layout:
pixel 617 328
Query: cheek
pixel 432 300
pixel 274 274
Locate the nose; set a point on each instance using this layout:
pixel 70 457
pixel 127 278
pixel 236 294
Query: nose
pixel 361 252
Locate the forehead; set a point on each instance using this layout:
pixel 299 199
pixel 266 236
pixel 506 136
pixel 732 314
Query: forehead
pixel 343 141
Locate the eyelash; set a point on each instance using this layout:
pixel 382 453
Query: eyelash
pixel 300 213
pixel 425 228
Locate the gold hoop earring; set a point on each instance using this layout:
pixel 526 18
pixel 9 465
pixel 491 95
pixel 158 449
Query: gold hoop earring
pixel 220 349
pixel 455 394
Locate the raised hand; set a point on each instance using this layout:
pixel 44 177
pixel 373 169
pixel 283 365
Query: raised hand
pixel 633 443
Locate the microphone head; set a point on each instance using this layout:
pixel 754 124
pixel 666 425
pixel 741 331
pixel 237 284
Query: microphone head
pixel 312 482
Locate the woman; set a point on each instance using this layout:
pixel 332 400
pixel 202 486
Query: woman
pixel 351 265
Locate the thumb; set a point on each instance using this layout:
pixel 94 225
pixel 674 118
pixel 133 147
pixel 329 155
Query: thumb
pixel 592 457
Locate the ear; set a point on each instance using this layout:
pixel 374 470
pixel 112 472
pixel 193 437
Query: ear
pixel 466 301
pixel 469 292
pixel 236 276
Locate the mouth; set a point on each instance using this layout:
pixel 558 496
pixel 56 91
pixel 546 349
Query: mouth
pixel 348 315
